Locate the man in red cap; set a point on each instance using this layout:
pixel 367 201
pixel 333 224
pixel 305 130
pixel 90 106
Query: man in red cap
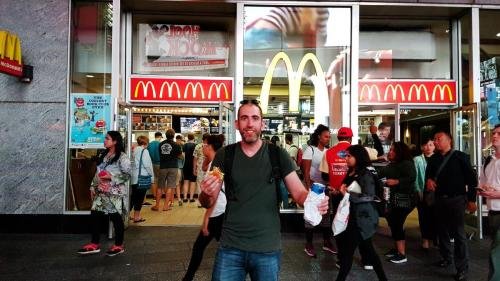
pixel 334 168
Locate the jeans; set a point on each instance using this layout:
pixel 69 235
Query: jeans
pixel 233 265
pixel 494 222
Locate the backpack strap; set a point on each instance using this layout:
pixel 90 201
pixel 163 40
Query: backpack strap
pixel 486 162
pixel 275 168
pixel 229 152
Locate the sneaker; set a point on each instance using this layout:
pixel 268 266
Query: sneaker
pixel 309 249
pixel 89 249
pixel 391 253
pixel 115 250
pixel 184 200
pixel 192 200
pixel 398 258
pixel 180 203
pixel 328 247
pixel 368 267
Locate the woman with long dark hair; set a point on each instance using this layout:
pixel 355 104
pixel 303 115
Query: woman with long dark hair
pixel 400 175
pixel 312 157
pixel 363 217
pixel 107 192
pixel 214 216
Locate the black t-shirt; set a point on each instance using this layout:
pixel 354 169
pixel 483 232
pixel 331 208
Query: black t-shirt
pixel 188 154
pixel 169 154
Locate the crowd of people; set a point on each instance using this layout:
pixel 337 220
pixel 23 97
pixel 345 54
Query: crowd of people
pixel 243 207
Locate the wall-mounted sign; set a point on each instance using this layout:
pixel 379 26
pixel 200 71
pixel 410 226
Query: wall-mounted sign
pixel 90 120
pixel 489 69
pixel 203 90
pixel 10 54
pixel 174 47
pixel 428 92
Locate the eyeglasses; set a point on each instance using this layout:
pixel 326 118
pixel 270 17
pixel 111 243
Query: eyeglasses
pixel 255 102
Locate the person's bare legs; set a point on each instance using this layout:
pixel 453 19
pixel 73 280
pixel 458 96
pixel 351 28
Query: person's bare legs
pixel 156 207
pixel 192 188
pixel 169 197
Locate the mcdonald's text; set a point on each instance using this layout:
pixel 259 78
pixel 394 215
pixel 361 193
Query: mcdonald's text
pixel 181 89
pixel 438 92
pixel 10 54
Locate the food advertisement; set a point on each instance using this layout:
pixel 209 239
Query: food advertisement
pixel 90 120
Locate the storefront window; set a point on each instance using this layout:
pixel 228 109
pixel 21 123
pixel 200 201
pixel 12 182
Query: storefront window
pixel 296 62
pixel 90 97
pixel 183 45
pixel 490 75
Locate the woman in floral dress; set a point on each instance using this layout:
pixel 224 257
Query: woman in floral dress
pixel 107 192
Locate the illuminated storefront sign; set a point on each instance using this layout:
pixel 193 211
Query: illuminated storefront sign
pixel 181 90
pixel 430 92
pixel 294 79
pixel 10 54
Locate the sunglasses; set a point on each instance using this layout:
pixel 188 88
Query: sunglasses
pixel 255 102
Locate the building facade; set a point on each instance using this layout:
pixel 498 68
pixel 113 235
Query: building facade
pixel 145 66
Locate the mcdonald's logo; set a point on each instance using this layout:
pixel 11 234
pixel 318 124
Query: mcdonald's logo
pixel 10 54
pixel 441 90
pixel 294 79
pixel 418 89
pixel 407 91
pixel 368 89
pixel 181 89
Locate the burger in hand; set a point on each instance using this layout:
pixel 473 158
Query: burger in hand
pixel 216 172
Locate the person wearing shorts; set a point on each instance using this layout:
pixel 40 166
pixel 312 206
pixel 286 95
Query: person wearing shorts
pixel 187 171
pixel 170 152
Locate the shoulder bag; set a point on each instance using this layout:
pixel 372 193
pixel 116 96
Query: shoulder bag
pixel 143 182
pixel 430 196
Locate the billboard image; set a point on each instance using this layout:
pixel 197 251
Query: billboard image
pixel 90 120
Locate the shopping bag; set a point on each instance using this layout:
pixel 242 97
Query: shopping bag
pixel 341 218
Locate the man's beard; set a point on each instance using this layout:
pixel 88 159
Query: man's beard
pixel 252 138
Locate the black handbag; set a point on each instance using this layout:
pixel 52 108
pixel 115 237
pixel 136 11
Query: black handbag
pixel 143 182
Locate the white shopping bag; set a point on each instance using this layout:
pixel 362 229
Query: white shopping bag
pixel 341 219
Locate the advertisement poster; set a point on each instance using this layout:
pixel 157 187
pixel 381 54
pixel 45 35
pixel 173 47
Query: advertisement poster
pixel 90 120
pixel 174 47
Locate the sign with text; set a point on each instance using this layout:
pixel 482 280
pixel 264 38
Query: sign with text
pixel 10 54
pixel 428 92
pixel 90 120
pixel 203 90
pixel 174 47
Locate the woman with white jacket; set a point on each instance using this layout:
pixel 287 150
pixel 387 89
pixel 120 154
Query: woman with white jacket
pixel 138 194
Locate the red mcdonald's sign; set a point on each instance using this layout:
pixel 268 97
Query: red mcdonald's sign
pixel 181 89
pixel 431 92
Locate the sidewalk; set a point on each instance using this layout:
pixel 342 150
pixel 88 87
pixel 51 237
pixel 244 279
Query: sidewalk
pixel 162 253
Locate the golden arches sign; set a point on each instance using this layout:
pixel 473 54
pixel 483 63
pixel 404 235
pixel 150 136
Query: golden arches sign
pixel 294 79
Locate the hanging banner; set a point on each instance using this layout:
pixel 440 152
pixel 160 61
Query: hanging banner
pixel 415 92
pixel 174 47
pixel 203 90
pixel 90 120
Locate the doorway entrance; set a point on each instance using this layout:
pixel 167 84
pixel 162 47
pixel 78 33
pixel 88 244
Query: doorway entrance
pixel 195 120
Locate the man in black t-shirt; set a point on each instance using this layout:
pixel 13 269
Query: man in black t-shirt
pixel 170 152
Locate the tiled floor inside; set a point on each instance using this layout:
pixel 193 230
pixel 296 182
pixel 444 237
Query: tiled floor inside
pixel 186 215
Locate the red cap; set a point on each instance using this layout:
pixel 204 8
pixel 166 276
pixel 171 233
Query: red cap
pixel 345 132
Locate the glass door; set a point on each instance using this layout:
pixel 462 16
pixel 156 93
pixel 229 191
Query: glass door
pixel 463 129
pixel 385 117
pixel 226 122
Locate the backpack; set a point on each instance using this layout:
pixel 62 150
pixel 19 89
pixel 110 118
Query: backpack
pixel 380 203
pixel 229 152
pixel 298 158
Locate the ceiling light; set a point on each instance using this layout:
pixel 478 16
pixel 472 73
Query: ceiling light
pixel 89 76
pixel 498 34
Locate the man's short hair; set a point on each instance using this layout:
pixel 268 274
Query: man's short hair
pixel 170 134
pixel 190 136
pixel 179 137
pixel 383 125
pixel 158 135
pixel 289 137
pixel 253 102
pixel 205 136
pixel 496 126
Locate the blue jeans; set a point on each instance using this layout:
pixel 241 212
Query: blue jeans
pixel 233 265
